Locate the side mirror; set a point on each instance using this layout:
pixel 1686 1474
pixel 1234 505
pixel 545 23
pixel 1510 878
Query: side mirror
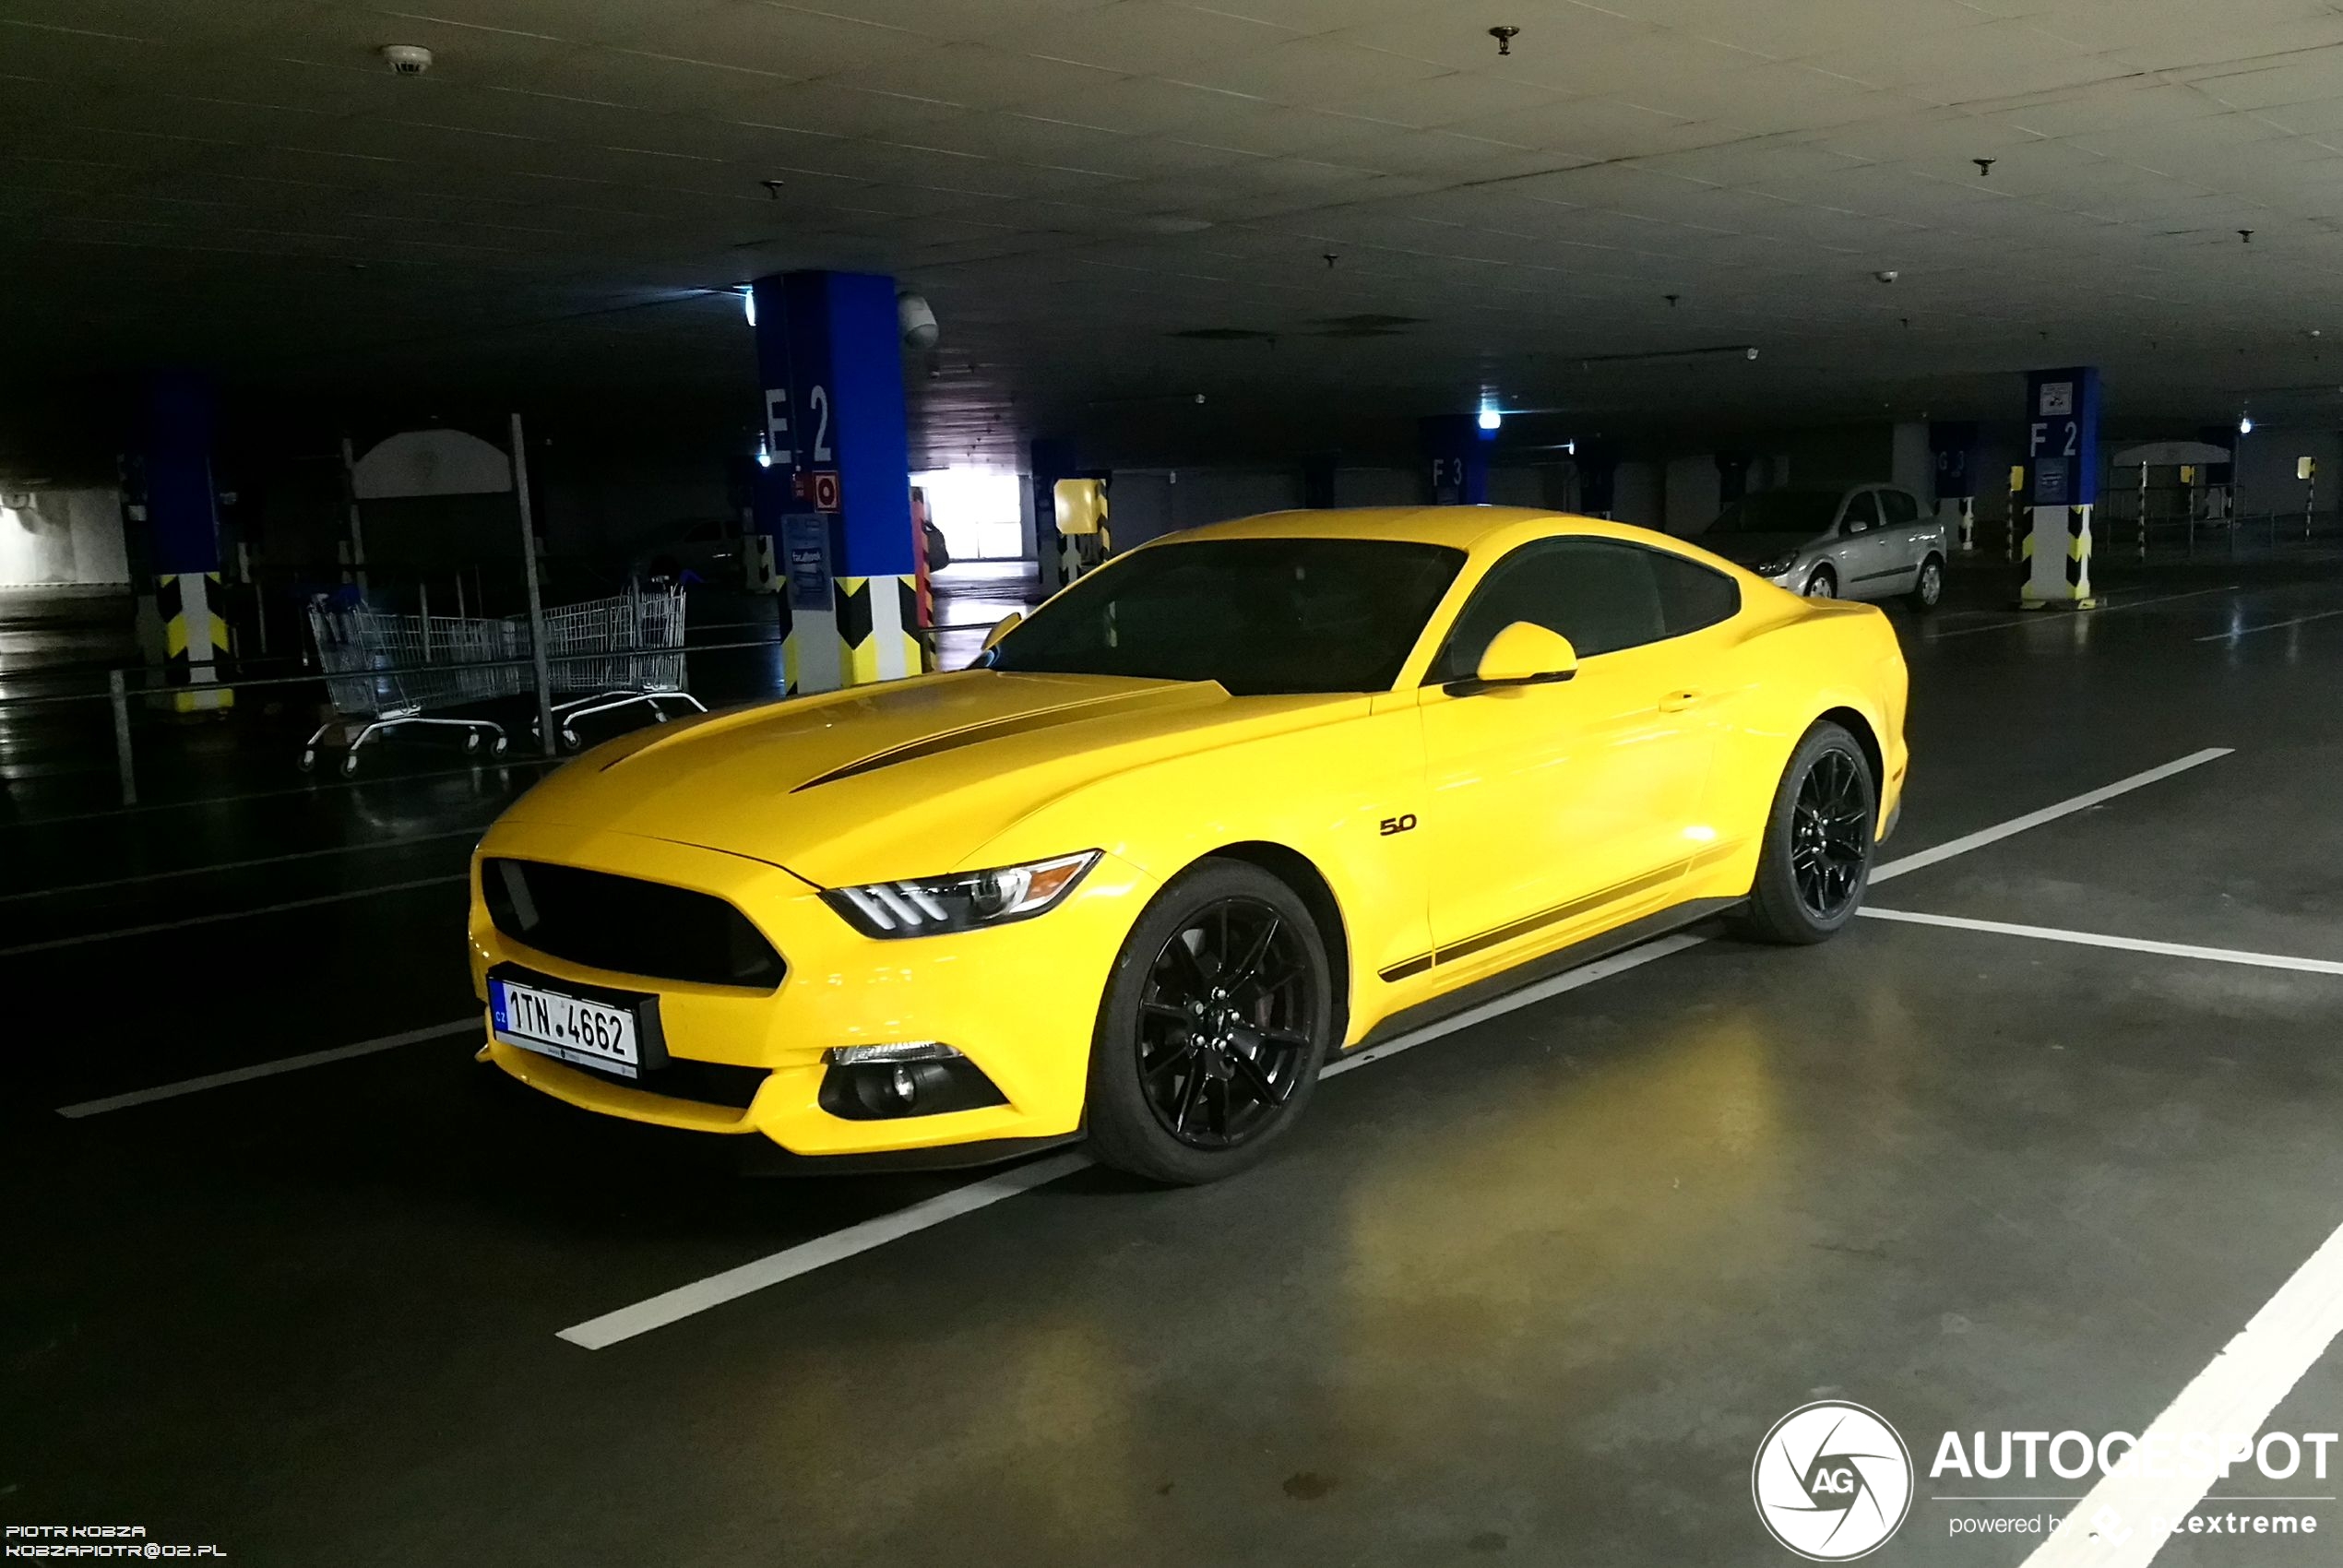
pixel 1524 654
pixel 1853 526
pixel 1009 624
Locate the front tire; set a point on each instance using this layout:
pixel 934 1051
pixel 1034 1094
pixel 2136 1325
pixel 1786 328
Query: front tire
pixel 1218 1012
pixel 1823 584
pixel 1816 857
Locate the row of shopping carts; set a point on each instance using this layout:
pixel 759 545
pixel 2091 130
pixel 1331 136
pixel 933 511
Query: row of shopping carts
pixel 387 671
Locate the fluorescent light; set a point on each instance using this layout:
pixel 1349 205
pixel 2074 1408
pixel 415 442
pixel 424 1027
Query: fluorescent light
pixel 764 454
pixel 748 303
pixel 1491 419
pixel 2245 424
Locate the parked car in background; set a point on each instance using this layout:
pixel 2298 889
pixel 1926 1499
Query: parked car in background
pixel 1866 542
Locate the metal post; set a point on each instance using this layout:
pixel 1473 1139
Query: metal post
pixel 2142 514
pixel 115 690
pixel 536 604
pixel 422 591
pixel 2310 500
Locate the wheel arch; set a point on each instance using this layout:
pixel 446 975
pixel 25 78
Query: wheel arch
pixel 1298 872
pixel 1855 724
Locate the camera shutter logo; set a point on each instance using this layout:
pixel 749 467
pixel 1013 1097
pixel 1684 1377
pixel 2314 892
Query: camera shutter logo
pixel 1833 1481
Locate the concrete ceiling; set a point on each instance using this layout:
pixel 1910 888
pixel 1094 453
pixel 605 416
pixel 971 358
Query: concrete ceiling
pixel 1076 183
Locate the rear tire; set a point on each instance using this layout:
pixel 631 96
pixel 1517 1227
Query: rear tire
pixel 1929 586
pixel 1815 860
pixel 1218 1013
pixel 1823 584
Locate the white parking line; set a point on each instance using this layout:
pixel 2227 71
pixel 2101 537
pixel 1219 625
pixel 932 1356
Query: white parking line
pixel 2125 943
pixel 63 888
pixel 2082 802
pixel 2044 617
pixel 2236 1393
pixel 2273 626
pixel 791 1263
pixel 263 1070
pixel 55 942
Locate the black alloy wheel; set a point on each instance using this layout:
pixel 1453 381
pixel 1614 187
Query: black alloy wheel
pixel 1225 1024
pixel 1217 1011
pixel 1813 860
pixel 1829 830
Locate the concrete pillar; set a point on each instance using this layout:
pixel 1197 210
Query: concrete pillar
pixel 2061 486
pixel 1733 478
pixel 1598 478
pixel 1456 454
pixel 174 490
pixel 833 490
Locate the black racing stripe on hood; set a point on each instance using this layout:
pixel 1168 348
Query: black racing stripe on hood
pixel 952 740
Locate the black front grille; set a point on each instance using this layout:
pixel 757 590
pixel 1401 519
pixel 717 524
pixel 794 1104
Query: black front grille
pixel 627 926
pixel 706 1083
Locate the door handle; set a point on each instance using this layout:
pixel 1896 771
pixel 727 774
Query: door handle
pixel 1676 702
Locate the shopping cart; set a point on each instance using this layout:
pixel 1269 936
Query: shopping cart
pixel 383 670
pixel 616 652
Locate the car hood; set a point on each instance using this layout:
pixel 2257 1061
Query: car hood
pixel 910 778
pixel 1749 549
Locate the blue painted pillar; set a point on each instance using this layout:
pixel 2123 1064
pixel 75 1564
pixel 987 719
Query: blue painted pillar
pixel 1954 446
pixel 176 492
pixel 1456 453
pixel 1598 478
pixel 2061 486
pixel 1051 458
pixel 834 487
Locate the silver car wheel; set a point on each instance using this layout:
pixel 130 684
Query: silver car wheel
pixel 1820 586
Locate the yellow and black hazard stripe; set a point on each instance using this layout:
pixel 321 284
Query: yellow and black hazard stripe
pixel 195 640
pixel 879 620
pixel 2079 555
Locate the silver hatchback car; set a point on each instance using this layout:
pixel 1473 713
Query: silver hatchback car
pixel 1867 542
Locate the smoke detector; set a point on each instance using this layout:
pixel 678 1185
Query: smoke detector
pixel 407 59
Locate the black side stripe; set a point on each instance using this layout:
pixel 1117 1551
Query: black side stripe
pixel 1504 933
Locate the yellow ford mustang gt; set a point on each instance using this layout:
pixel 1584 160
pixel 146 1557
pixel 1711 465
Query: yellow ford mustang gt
pixel 1242 799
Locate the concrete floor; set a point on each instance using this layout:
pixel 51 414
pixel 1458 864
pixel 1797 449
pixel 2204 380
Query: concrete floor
pixel 1531 1293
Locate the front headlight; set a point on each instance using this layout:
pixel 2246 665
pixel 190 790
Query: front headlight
pixel 931 906
pixel 1778 566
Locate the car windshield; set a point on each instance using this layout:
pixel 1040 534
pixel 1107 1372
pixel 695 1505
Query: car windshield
pixel 1805 512
pixel 1261 616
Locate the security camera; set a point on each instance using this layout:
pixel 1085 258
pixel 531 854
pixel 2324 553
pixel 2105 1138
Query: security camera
pixel 917 319
pixel 408 59
pixel 1888 276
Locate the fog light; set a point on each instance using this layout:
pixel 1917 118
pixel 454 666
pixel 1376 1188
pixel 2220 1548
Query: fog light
pixel 906 1090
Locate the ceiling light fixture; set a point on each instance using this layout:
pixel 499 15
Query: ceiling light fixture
pixel 1491 419
pixel 1504 37
pixel 748 302
pixel 2245 424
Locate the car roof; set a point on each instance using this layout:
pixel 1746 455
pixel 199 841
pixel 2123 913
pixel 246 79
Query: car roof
pixel 1461 528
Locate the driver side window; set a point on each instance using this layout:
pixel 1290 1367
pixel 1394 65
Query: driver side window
pixel 1603 597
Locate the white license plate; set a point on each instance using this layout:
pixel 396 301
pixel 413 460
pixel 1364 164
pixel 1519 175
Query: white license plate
pixel 568 1029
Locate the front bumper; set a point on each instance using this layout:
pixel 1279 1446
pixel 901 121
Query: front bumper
pixel 1020 1000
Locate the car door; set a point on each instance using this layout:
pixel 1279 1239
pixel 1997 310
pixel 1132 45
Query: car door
pixel 1560 808
pixel 1855 557
pixel 1905 538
